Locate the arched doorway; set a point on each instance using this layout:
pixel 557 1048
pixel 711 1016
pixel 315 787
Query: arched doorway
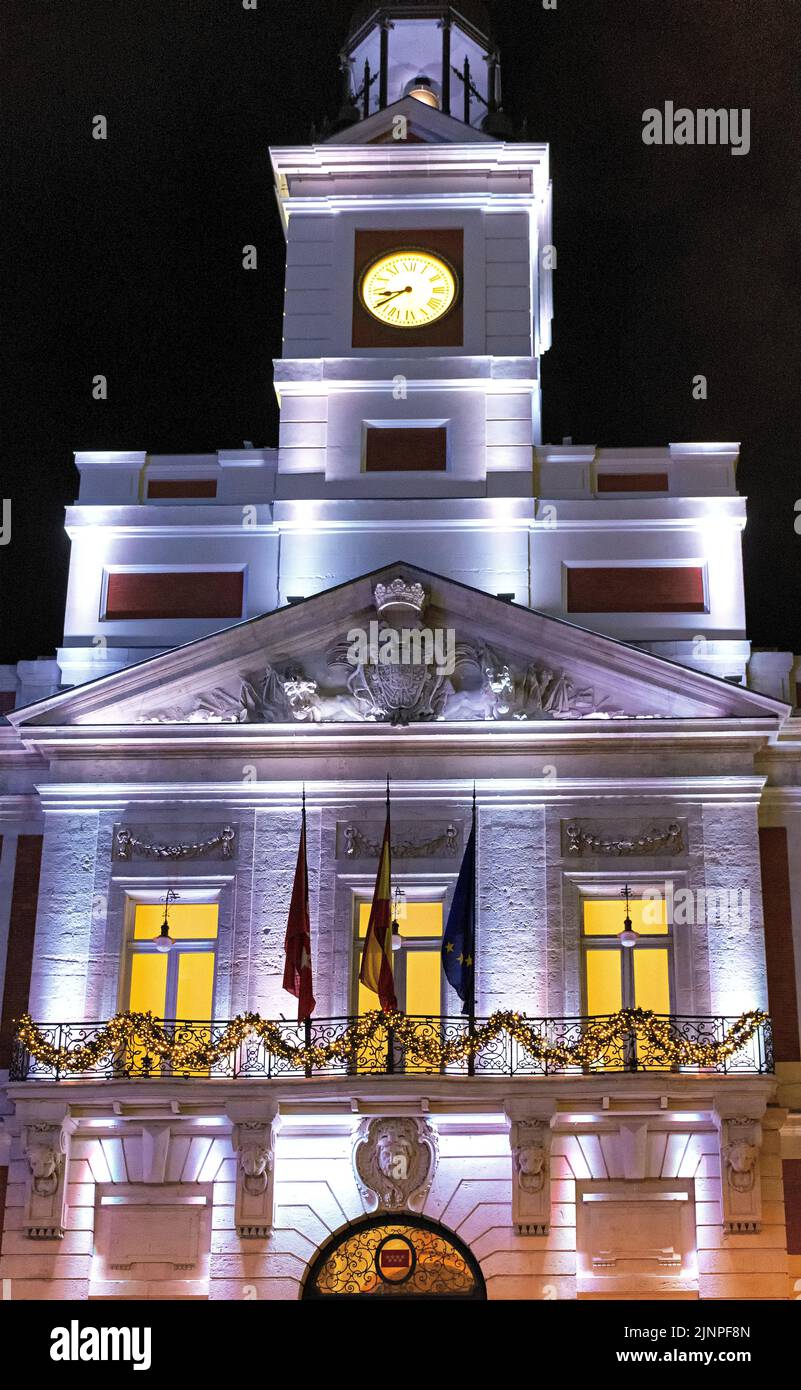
pixel 395 1257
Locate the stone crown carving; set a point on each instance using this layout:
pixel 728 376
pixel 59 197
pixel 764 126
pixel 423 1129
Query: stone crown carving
pixel 394 1161
pixel 398 595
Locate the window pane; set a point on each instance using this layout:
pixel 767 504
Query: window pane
pixel 604 916
pixel 423 981
pixel 148 995
pixel 195 984
pixel 604 990
pixel 651 980
pixel 188 921
pixel 148 984
pixel 418 919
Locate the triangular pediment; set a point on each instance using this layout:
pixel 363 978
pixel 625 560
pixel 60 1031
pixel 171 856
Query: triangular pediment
pixel 424 125
pixel 400 645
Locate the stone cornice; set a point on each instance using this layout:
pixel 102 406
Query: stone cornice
pixel 596 1099
pixel 493 791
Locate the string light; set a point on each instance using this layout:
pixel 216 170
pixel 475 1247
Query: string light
pixel 154 1044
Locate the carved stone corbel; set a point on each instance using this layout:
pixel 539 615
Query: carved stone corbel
pixel 530 1140
pixel 254 1146
pixel 46 1147
pixel 741 1181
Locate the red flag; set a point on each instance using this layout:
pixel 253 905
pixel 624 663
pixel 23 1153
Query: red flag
pixel 376 969
pixel 297 944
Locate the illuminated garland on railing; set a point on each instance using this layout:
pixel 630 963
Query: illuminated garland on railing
pixel 193 1052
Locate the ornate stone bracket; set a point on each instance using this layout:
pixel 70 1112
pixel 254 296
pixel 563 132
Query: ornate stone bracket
pixel 254 1144
pixel 658 839
pixel 46 1148
pixel 740 1172
pixel 128 846
pixel 530 1140
pixel 394 1162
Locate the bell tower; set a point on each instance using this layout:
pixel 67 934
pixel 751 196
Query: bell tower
pixel 441 54
pixel 418 299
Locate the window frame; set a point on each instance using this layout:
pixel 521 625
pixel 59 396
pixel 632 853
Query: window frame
pixel 416 890
pixel 663 940
pixel 190 946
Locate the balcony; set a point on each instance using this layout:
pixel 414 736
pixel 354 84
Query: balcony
pixel 505 1045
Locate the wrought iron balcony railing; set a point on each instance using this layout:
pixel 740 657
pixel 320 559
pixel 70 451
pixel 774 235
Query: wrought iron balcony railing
pixel 339 1047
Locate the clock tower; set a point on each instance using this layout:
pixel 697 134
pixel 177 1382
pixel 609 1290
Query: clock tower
pixel 418 302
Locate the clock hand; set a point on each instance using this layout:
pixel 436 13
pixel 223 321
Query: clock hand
pixel 386 297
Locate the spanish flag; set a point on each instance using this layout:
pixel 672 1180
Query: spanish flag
pixel 376 968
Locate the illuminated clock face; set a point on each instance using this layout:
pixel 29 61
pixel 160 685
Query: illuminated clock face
pixel 409 289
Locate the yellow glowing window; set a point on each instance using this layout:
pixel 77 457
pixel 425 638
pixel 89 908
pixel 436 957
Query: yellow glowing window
pixel 418 920
pixel 652 980
pixel 618 977
pixel 604 984
pixel 417 965
pixel 188 921
pixel 604 916
pixel 178 984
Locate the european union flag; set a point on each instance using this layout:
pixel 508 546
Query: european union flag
pixel 459 941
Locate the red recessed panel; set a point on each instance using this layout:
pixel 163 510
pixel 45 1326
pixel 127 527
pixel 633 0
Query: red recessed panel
pixel 791 1172
pixel 22 925
pixel 182 487
pixel 779 948
pixel 406 451
pixel 624 589
pixel 175 594
pixel 632 482
pixel 7 701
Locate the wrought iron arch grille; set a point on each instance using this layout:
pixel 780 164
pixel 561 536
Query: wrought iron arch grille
pixel 395 1257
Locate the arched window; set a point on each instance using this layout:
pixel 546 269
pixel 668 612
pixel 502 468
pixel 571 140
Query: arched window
pixel 395 1257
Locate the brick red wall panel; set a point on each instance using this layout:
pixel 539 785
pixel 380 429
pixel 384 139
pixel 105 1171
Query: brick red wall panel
pixel 626 589
pixel 780 952
pixel 632 482
pixel 175 594
pixel 406 450
pixel 3 1187
pixel 24 897
pixel 791 1168
pixel 182 487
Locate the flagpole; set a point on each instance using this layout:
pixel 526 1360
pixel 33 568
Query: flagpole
pixel 471 1010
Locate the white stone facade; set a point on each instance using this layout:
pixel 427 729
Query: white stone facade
pixel 167 752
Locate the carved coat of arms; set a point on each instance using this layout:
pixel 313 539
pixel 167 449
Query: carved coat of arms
pixel 394 1161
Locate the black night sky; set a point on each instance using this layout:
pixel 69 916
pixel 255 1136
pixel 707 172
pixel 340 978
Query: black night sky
pixel 124 257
